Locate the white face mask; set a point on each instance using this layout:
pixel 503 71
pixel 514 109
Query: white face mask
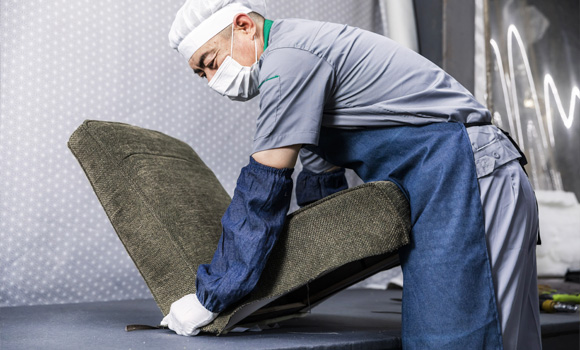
pixel 235 81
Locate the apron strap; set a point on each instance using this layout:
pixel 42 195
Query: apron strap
pixel 523 160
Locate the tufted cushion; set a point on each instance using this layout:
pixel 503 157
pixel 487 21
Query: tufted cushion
pixel 166 204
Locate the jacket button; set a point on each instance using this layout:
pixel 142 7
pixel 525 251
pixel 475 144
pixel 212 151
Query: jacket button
pixel 496 155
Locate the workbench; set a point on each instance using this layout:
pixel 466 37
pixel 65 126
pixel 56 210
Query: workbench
pixel 363 319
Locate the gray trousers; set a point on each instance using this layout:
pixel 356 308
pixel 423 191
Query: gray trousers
pixel 511 226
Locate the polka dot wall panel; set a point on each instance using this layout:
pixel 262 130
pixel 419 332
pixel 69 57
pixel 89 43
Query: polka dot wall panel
pixel 64 61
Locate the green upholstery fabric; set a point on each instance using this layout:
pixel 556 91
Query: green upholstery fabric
pixel 166 204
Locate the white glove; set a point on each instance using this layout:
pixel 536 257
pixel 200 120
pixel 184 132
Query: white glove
pixel 187 315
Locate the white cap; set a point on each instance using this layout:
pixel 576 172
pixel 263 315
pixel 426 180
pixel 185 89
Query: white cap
pixel 197 21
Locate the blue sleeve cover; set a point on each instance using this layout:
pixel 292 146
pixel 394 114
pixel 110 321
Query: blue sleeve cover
pixel 251 226
pixel 311 186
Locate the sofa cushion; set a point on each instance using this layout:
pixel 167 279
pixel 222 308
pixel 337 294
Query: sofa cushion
pixel 166 204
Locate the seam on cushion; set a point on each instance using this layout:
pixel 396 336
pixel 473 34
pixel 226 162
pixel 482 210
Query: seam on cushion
pixel 137 189
pixel 156 155
pixel 392 204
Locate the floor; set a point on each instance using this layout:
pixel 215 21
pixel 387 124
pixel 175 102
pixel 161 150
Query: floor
pixel 353 319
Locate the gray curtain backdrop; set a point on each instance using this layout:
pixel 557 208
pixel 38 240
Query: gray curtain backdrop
pixel 64 61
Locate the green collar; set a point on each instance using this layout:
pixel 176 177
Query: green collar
pixel 267 26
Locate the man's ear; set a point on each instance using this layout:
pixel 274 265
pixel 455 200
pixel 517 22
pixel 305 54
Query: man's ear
pixel 244 23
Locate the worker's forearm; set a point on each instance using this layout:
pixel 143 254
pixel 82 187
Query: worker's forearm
pixel 251 225
pixel 280 158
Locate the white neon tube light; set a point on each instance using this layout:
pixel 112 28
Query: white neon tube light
pixel 510 92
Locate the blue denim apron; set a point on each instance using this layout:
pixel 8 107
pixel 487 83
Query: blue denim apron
pixel 448 295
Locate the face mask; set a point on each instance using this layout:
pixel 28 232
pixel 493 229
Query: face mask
pixel 235 81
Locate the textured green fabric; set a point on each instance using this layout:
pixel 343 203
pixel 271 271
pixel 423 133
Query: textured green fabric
pixel 166 204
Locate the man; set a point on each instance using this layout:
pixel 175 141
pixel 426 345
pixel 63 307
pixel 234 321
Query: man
pixel 341 97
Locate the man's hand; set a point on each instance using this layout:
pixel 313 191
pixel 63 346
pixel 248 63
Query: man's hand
pixel 187 316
